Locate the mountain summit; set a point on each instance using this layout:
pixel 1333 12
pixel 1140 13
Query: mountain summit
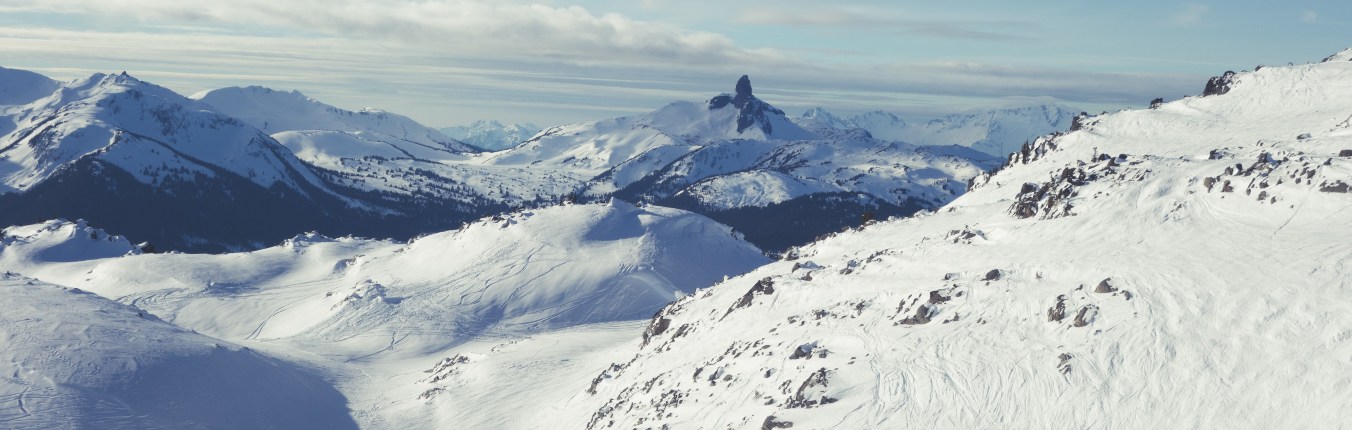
pixel 751 111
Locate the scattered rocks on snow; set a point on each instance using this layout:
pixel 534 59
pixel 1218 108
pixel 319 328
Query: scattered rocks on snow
pixel 1087 315
pixel 763 287
pixel 1057 312
pixel 1064 365
pixel 812 392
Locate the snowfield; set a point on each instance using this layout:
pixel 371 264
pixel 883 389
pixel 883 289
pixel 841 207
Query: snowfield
pixel 359 308
pixel 1183 266
pixel 1186 266
pixel 76 360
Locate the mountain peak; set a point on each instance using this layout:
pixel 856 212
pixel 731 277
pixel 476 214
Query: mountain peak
pixel 744 86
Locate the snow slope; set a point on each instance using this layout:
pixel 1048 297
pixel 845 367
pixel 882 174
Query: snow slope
pixel 359 307
pixel 1186 266
pixel 76 360
pixel 492 135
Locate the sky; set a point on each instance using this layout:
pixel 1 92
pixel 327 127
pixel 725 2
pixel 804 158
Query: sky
pixel 451 62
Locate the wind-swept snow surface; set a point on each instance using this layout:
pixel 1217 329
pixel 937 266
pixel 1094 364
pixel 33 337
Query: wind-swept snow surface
pixel 360 307
pixel 72 359
pixel 1186 266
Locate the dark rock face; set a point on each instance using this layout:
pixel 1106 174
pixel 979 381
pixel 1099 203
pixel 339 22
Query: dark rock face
pixel 1159 101
pixel 1218 85
pixel 744 86
pixel 752 112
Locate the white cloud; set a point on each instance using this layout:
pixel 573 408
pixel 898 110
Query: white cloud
pixel 451 26
pixel 888 19
pixel 1191 13
pixel 443 64
pixel 1309 16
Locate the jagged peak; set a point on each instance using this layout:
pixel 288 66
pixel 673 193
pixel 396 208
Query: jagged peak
pixel 744 86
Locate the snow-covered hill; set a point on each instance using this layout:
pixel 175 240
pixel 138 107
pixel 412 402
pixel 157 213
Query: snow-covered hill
pixel 996 132
pixel 1186 266
pixel 370 311
pixel 73 360
pixel 492 135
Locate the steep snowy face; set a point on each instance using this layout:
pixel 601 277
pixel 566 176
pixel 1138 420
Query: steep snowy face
pixel 1180 266
pixel 280 111
pixel 74 360
pixel 492 135
pixel 528 271
pixel 147 131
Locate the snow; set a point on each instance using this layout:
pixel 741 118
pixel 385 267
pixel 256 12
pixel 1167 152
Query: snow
pixel 1183 266
pixel 76 360
pixel 996 132
pixel 1219 309
pixel 277 111
pixel 358 307
pixel 146 130
pixel 492 135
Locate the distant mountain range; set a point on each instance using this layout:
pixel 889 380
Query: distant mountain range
pixel 243 167
pixel 996 132
pixel 492 135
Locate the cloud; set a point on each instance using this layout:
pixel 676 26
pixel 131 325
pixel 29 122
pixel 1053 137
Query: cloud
pixel 452 26
pixel 885 19
pixel 1191 13
pixel 522 63
pixel 1309 16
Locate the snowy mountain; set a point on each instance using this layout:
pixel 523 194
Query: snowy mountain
pixel 178 173
pixel 740 161
pixel 1179 266
pixel 492 135
pixel 600 145
pixel 276 112
pixel 996 132
pixel 376 314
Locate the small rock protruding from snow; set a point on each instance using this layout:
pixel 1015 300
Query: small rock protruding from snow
pixel 1105 286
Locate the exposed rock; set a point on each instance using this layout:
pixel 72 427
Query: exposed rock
pixel 994 274
pixel 1087 315
pixel 744 86
pixel 1219 84
pixel 763 287
pixel 1345 153
pixel 1105 286
pixel 812 392
pixel 1058 311
pixel 771 423
pixel 1334 187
